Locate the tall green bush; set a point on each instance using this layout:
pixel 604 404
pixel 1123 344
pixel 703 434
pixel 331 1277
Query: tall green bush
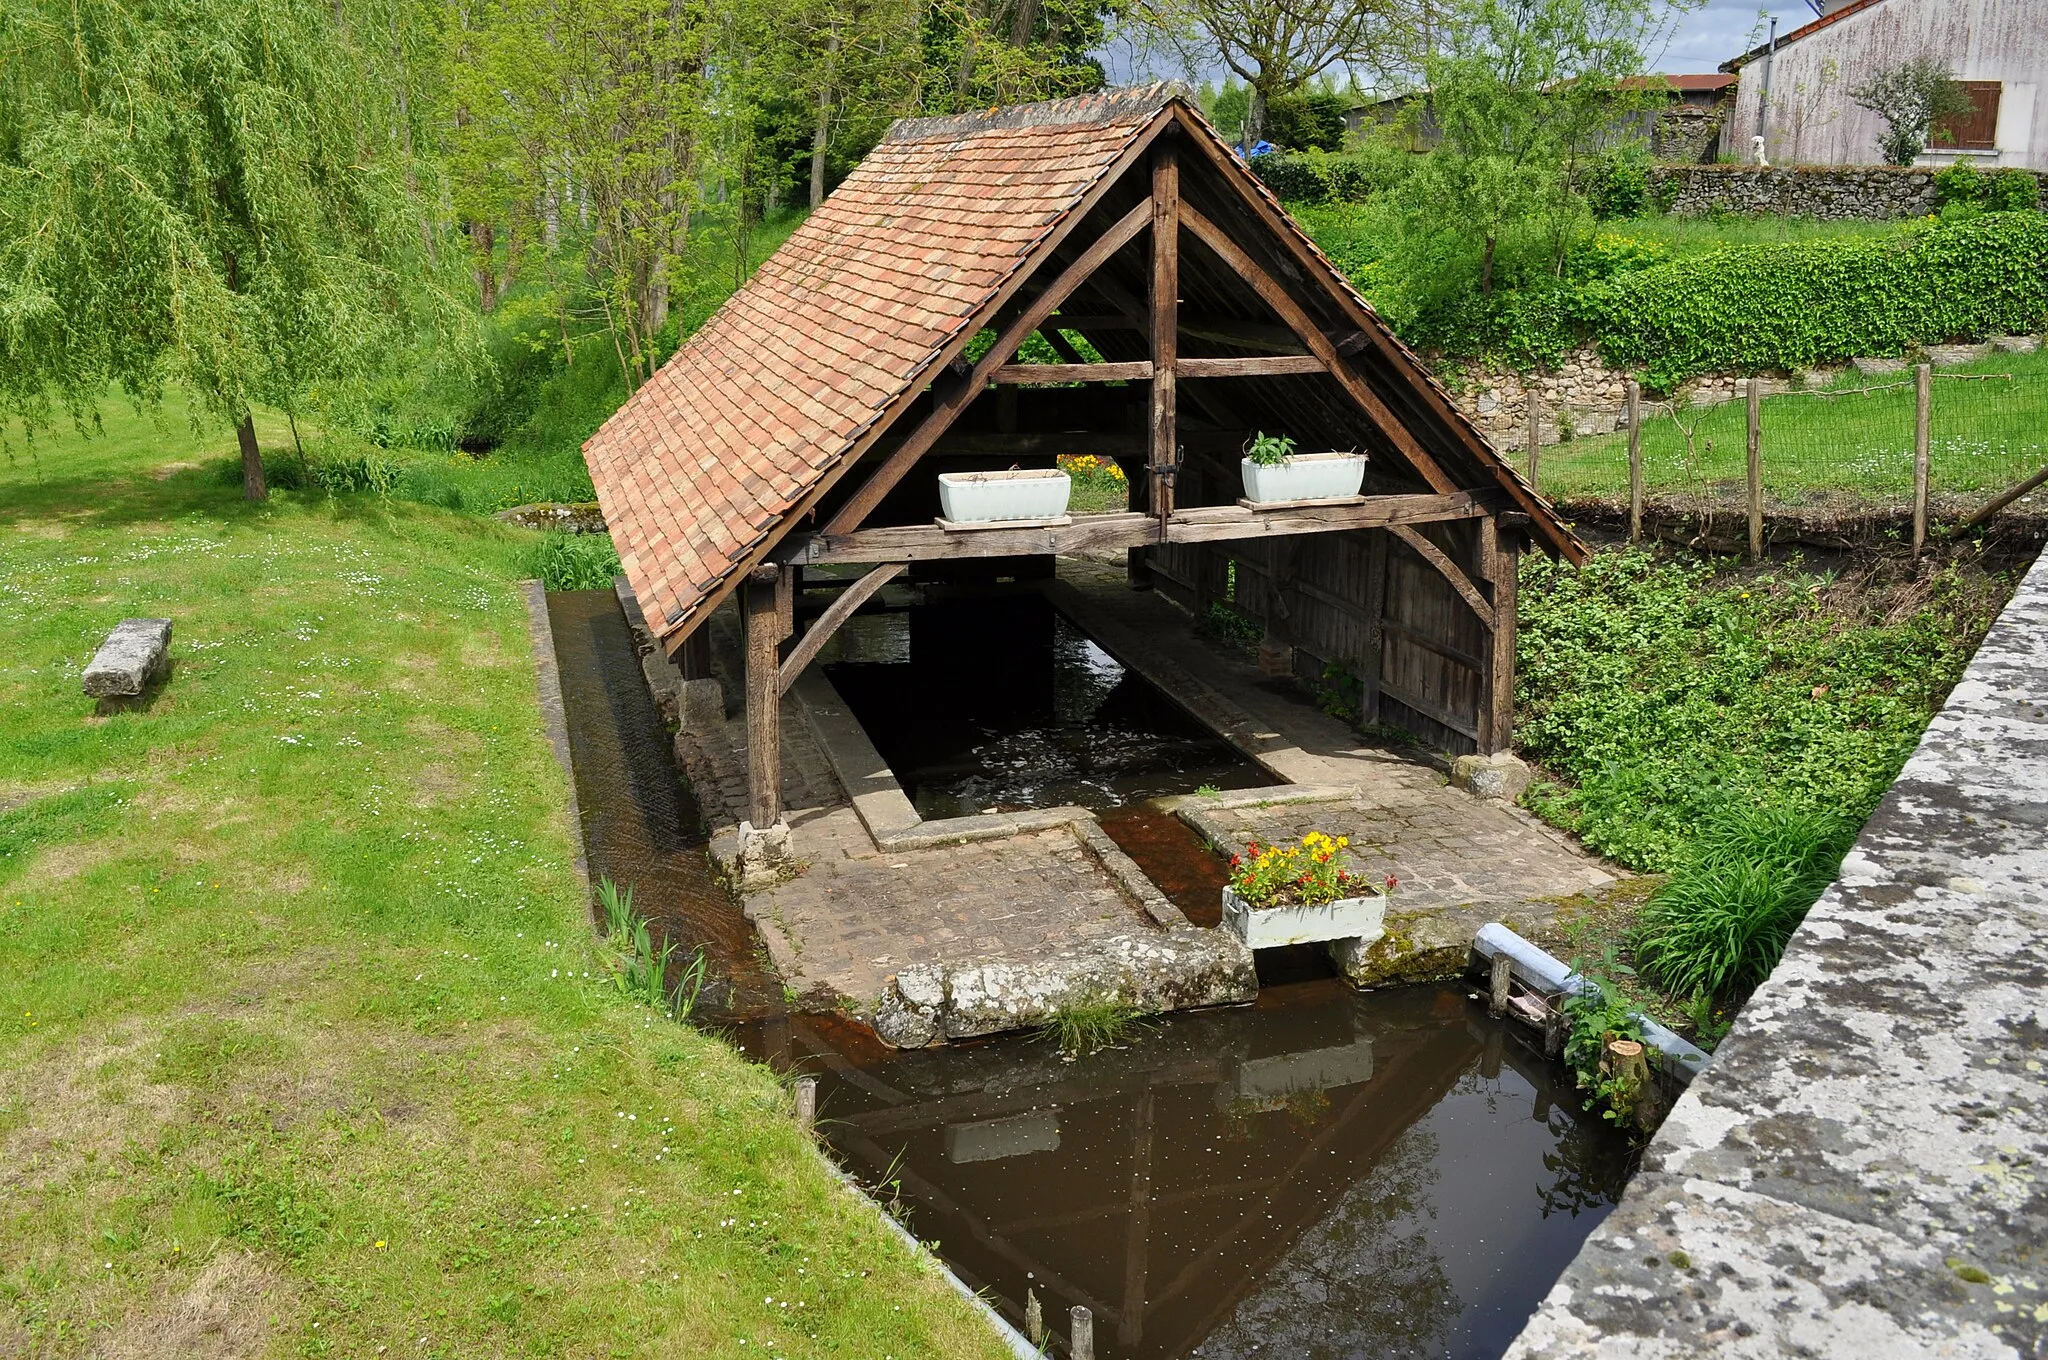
pixel 1751 308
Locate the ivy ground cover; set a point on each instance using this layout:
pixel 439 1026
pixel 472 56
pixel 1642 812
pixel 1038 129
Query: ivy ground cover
pixel 306 1048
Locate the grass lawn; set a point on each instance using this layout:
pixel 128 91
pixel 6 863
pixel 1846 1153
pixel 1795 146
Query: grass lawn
pixel 306 1047
pixel 1856 445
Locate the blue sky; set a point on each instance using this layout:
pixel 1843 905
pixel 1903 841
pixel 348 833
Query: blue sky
pixel 1722 29
pixel 1700 42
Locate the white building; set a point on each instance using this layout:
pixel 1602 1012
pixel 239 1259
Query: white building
pixel 1797 95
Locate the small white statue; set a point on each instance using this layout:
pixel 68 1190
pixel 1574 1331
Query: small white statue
pixel 1756 150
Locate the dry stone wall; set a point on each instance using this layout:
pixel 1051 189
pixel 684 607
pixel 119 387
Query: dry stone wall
pixel 1830 193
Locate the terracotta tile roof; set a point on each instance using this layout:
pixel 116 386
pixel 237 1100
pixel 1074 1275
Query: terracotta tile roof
pixel 700 465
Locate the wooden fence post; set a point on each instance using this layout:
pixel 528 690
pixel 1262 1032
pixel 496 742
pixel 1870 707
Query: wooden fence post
pixel 1497 996
pixel 807 1103
pixel 764 701
pixel 1635 461
pixel 1756 469
pixel 1034 1319
pixel 1535 433
pixel 1081 1339
pixel 1923 430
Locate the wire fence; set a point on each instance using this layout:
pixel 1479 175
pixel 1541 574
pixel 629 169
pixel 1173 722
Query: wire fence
pixel 1937 446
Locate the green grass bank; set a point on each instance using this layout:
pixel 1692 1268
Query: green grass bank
pixel 306 1047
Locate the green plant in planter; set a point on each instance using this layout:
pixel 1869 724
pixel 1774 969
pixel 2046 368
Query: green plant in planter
pixel 1269 450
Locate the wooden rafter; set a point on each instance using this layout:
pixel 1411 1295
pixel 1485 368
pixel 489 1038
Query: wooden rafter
pixel 1436 557
pixel 1139 146
pixel 1291 312
pixel 1372 329
pixel 1050 375
pixel 947 408
pixel 827 623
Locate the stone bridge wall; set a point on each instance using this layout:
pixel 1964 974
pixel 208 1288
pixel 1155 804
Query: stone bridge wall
pixel 1862 1171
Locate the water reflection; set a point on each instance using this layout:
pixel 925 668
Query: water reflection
pixel 1325 1174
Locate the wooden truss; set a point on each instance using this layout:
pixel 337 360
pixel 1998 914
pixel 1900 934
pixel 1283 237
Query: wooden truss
pixel 1163 217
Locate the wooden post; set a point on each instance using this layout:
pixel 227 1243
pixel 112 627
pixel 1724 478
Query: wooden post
pixel 1756 469
pixel 1497 996
pixel 1923 433
pixel 1635 461
pixel 764 696
pixel 1375 618
pixel 1500 554
pixel 1081 1337
pixel 1535 433
pixel 1165 323
pixel 807 1103
pixel 1554 1030
pixel 1034 1319
pixel 696 657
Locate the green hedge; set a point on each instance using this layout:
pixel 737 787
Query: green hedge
pixel 1753 308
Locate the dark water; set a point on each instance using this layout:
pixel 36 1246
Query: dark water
pixel 999 703
pixel 1325 1174
pixel 641 827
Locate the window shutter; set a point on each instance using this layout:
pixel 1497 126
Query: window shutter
pixel 1976 130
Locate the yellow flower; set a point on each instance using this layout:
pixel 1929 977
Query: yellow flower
pixel 380 1244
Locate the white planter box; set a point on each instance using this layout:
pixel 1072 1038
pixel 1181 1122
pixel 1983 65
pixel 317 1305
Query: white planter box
pixel 1021 493
pixel 1267 927
pixel 1305 477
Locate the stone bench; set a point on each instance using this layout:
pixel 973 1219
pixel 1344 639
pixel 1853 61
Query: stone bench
pixel 134 656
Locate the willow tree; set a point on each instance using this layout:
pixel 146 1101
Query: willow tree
pixel 228 195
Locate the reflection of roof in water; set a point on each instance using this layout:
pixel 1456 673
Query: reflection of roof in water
pixel 1172 1184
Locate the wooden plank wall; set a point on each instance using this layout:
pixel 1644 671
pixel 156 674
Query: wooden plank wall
pixel 1420 658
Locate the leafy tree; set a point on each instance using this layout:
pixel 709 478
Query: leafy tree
pixel 1277 46
pixel 980 53
pixel 580 122
pixel 1528 96
pixel 234 195
pixel 1312 120
pixel 1911 98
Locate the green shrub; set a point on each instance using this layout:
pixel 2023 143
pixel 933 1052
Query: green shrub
pixel 1959 183
pixel 575 561
pixel 1088 1026
pixel 1719 926
pixel 1314 176
pixel 1753 308
pixel 2013 190
pixel 1312 120
pixel 1660 691
pixel 1621 189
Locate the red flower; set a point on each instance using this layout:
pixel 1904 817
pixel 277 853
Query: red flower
pixel 1392 883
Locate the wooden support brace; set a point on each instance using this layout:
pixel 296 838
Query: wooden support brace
pixel 838 612
pixel 1165 309
pixel 1500 550
pixel 1051 375
pixel 1437 558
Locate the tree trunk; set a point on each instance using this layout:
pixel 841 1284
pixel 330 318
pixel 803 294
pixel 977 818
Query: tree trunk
pixel 821 131
pixel 1023 22
pixel 483 245
pixel 1486 269
pixel 1254 117
pixel 253 488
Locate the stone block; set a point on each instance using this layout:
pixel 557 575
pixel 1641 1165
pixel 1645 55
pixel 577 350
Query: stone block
pixel 1275 657
pixel 2016 344
pixel 1502 776
pixel 1948 356
pixel 134 656
pixel 763 855
pixel 903 1022
pixel 700 704
pixel 1874 368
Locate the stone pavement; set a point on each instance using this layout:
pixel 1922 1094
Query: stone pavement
pixel 1063 897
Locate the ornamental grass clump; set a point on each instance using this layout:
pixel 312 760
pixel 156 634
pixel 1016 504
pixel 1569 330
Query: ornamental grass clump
pixel 1719 926
pixel 1302 875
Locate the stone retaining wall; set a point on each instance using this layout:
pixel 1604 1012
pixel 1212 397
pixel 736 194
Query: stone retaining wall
pixel 1862 1170
pixel 1828 192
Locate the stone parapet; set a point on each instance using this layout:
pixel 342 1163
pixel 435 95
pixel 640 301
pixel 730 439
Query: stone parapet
pixel 1859 1172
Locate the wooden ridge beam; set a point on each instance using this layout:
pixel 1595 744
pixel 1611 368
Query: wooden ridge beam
pixel 1281 301
pixel 1438 558
pixel 1048 375
pixel 946 408
pixel 840 610
pixel 1128 529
